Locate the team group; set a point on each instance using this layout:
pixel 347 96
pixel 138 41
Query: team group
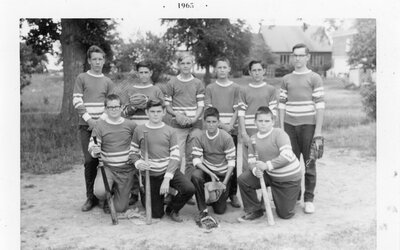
pixel 199 143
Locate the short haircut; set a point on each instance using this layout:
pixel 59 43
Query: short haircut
pixel 255 62
pixel 211 111
pixel 155 103
pixel 222 59
pixel 93 49
pixel 112 97
pixel 263 110
pixel 144 64
pixel 299 46
pixel 185 55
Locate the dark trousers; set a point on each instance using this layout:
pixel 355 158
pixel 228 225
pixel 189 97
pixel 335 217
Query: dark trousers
pixel 179 182
pixel 301 138
pixel 284 194
pixel 135 184
pixel 199 177
pixel 90 162
pixel 233 179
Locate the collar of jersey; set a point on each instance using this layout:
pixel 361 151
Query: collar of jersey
pixel 257 86
pixel 143 86
pixel 147 124
pixel 184 80
pixel 94 75
pixel 212 137
pixel 121 120
pixel 302 73
pixel 260 136
pixel 224 84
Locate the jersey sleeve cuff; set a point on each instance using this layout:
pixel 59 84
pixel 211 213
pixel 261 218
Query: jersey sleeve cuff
pixel 231 163
pixel 86 117
pixel 269 166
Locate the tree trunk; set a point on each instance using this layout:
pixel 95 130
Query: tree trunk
pixel 207 75
pixel 74 57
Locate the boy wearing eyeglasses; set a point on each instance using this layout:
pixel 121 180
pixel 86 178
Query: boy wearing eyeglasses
pixel 301 111
pixel 89 94
pixel 113 148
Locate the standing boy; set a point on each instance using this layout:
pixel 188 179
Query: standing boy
pixel 90 91
pixel 301 111
pixel 137 95
pixel 271 156
pixel 224 96
pixel 163 163
pixel 185 102
pixel 214 158
pixel 256 94
pixel 114 148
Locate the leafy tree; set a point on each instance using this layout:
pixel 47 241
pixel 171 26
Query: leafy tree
pixel 363 45
pixel 259 51
pixel 76 36
pixel 211 38
pixel 150 47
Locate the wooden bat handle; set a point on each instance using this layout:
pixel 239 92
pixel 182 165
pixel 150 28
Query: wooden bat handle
pixel 268 209
pixel 148 192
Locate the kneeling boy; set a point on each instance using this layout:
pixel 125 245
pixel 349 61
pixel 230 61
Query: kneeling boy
pixel 163 163
pixel 271 156
pixel 214 156
pixel 114 138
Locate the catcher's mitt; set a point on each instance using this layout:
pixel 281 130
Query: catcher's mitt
pixel 316 149
pixel 183 120
pixel 213 191
pixel 138 101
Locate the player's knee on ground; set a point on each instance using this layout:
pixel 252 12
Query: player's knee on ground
pixel 285 213
pixel 220 209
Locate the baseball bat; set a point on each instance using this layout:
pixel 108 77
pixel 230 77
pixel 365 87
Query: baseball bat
pixel 268 209
pixel 109 199
pixel 148 193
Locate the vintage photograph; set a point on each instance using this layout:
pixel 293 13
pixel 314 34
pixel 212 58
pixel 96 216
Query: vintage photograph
pixel 198 133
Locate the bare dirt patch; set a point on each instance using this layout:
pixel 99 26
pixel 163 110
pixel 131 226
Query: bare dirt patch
pixel 345 216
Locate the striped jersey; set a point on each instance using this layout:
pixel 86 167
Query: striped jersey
pixel 162 146
pixel 115 141
pixel 184 96
pixel 151 91
pixel 225 98
pixel 89 94
pixel 275 149
pixel 215 152
pixel 251 98
pixel 301 94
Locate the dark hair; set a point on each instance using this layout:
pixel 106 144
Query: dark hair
pixel 255 62
pixel 155 103
pixel 211 111
pixel 93 49
pixel 299 46
pixel 144 64
pixel 112 97
pixel 222 59
pixel 263 110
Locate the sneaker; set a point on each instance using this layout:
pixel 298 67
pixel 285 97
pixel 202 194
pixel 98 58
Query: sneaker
pixel 309 207
pixel 89 204
pixel 173 215
pixel 251 216
pixel 106 208
pixel 133 199
pixel 235 201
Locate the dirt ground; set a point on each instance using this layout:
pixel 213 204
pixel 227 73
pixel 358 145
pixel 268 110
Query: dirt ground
pixel 344 218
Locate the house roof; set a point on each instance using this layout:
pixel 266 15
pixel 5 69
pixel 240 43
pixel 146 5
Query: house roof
pixel 283 38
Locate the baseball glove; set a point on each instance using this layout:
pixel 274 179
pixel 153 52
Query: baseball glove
pixel 138 101
pixel 183 120
pixel 213 191
pixel 208 222
pixel 317 147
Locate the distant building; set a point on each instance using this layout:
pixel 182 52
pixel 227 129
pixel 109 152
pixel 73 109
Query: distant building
pixel 281 39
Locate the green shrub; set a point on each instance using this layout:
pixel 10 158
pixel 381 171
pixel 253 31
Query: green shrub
pixel 368 94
